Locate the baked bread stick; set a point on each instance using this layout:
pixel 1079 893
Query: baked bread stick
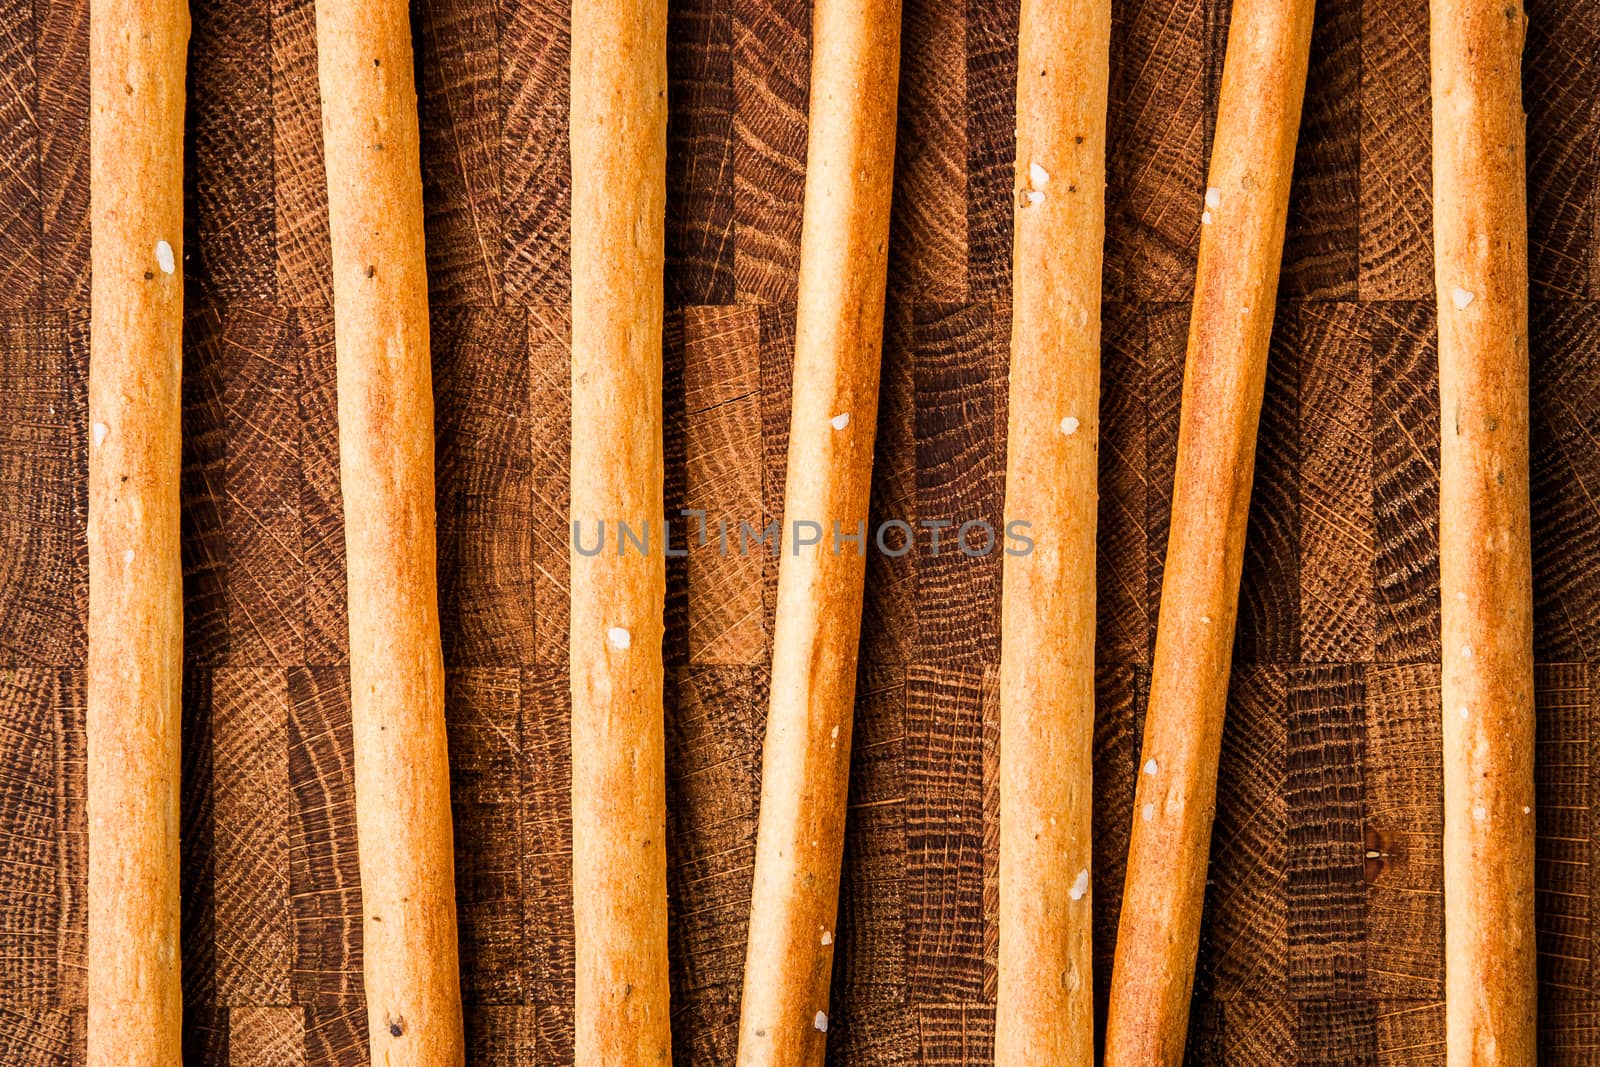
pixel 1485 555
pixel 1045 1009
pixel 402 775
pixel 137 57
pixel 1241 248
pixel 619 855
pixel 838 338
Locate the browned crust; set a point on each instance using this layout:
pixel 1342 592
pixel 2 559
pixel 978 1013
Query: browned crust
pixel 1241 247
pixel 1045 1009
pixel 402 778
pixel 1485 559
pixel 838 336
pixel 619 857
pixel 137 56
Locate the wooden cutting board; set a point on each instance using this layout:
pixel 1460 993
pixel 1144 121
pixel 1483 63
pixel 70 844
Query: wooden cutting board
pixel 1324 921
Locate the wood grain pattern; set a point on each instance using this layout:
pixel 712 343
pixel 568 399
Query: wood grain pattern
pixel 1323 940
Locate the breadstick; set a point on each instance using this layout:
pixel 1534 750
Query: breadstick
pixel 137 56
pixel 1241 245
pixel 1045 1009
pixel 1485 556
pixel 619 856
pixel 402 777
pixel 838 336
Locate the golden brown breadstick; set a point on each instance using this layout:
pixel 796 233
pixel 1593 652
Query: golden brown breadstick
pixel 838 336
pixel 619 856
pixel 137 55
pixel 1485 556
pixel 1045 1009
pixel 380 287
pixel 1241 246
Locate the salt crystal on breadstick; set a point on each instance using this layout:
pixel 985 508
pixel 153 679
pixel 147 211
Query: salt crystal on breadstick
pixel 137 57
pixel 1045 1008
pixel 1241 246
pixel 619 864
pixel 1485 557
pixel 838 337
pixel 380 291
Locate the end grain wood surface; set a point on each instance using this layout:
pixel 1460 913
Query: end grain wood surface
pixel 1322 938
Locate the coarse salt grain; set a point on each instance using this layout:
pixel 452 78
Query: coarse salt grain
pixel 821 1021
pixel 1205 218
pixel 1148 811
pixel 1035 197
pixel 99 431
pixel 827 937
pixel 834 732
pixel 165 258
pixel 1462 297
pixel 1465 712
pixel 1526 810
pixel 1480 812
pixel 1466 651
pixel 1080 886
pixel 1069 425
pixel 619 637
pixel 127 557
pixel 840 421
pixel 1213 197
pixel 1038 175
pixel 1150 766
